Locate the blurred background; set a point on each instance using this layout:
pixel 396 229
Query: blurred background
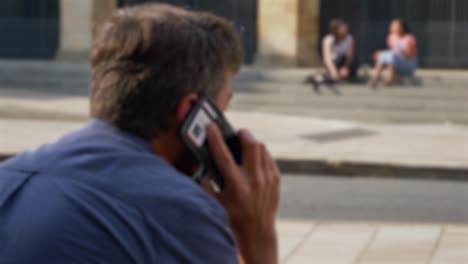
pixel 289 30
pixel 390 165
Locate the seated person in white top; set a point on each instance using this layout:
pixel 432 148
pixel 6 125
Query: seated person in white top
pixel 337 55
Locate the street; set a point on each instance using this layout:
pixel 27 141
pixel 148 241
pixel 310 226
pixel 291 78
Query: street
pixel 359 199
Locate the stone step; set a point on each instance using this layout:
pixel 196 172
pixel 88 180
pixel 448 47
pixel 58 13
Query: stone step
pixel 426 77
pixel 352 90
pixel 52 73
pixel 369 103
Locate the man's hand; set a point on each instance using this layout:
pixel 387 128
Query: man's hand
pixel 250 195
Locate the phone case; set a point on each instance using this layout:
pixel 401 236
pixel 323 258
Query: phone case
pixel 193 132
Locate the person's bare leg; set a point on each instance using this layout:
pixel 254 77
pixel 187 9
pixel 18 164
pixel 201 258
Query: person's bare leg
pixel 391 75
pixel 374 81
pixel 377 55
pixel 344 73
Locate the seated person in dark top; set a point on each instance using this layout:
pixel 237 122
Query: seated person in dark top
pixel 118 190
pixel 337 54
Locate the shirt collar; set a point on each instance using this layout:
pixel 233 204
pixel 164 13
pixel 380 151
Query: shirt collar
pixel 136 141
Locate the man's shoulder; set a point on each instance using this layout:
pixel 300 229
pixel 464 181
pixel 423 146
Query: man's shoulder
pixel 176 195
pixel 167 207
pixel 180 214
pixel 113 165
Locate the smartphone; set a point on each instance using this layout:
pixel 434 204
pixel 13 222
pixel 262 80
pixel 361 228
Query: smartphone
pixel 194 135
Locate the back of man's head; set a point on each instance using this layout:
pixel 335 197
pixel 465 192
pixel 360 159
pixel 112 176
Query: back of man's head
pixel 147 57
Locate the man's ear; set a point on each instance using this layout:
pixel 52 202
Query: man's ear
pixel 183 107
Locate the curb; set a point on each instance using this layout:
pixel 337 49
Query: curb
pixel 4 157
pixel 361 170
pixel 371 170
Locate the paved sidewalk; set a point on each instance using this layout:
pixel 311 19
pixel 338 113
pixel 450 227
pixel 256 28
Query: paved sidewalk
pixel 282 112
pixel 436 95
pixel 297 138
pixel 304 143
pixel 303 242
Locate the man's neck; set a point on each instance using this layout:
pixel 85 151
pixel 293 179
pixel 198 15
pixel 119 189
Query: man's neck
pixel 166 145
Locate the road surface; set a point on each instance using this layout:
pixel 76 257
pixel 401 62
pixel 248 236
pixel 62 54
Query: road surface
pixel 335 198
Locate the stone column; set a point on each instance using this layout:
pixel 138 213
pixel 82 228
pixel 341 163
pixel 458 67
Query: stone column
pixel 102 10
pixel 277 32
pixel 78 18
pixel 309 33
pixel 288 33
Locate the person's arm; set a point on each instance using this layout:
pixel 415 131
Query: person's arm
pixel 327 55
pixel 250 196
pixel 410 50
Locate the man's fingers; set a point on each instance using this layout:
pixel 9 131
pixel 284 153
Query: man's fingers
pixel 272 176
pixel 255 160
pixel 220 153
pixel 266 165
pixel 251 155
pixel 273 167
pixel 250 149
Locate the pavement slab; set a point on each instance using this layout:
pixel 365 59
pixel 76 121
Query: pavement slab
pixel 411 244
pixel 452 247
pixel 333 243
pixel 292 235
pixel 372 243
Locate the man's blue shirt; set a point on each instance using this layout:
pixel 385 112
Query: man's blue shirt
pixel 101 195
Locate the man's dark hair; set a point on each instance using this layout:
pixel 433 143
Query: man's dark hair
pixel 147 57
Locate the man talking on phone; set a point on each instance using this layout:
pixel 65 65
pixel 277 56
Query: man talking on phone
pixel 119 190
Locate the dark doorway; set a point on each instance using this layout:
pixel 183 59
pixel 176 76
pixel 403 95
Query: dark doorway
pixel 242 13
pixel 28 28
pixel 441 27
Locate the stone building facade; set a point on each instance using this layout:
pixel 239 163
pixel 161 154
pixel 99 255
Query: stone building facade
pixel 78 20
pixel 287 30
pixel 275 33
